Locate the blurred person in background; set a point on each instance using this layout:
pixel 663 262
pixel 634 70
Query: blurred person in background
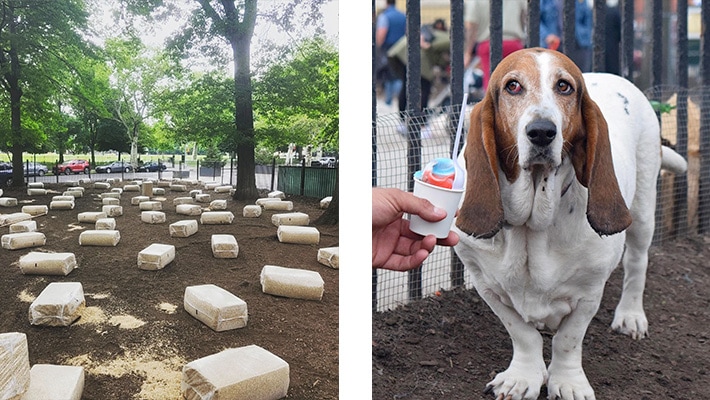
pixel 551 15
pixel 477 21
pixel 391 26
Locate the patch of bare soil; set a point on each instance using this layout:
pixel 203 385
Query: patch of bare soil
pixel 451 346
pixel 134 336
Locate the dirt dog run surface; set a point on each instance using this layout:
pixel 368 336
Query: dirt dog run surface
pixel 451 346
pixel 134 335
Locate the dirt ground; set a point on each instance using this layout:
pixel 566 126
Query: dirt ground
pixel 134 336
pixel 451 346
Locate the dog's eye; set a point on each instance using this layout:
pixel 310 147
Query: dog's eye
pixel 514 87
pixel 564 87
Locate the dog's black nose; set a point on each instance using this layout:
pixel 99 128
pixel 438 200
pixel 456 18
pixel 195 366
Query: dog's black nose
pixel 541 132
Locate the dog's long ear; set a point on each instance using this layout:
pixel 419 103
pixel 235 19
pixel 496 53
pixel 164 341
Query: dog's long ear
pixel 481 213
pixel 606 210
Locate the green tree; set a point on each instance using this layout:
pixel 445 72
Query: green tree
pixel 136 80
pixel 303 84
pixel 39 39
pixel 234 22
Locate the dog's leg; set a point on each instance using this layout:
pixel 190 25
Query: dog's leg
pixel 629 318
pixel 526 373
pixel 566 378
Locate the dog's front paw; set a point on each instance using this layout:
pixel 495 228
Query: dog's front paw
pixel 631 323
pixel 568 384
pixel 521 382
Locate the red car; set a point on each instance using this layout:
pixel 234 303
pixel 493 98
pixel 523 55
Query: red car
pixel 73 166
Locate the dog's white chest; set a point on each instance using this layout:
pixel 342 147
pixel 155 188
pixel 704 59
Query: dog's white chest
pixel 542 275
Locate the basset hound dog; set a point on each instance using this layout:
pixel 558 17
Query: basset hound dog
pixel 561 172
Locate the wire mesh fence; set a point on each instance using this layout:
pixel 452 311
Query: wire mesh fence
pixel 402 142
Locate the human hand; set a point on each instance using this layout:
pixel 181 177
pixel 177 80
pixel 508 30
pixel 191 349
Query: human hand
pixel 394 246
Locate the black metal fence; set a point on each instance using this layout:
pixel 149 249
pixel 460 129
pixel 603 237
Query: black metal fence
pixel 683 204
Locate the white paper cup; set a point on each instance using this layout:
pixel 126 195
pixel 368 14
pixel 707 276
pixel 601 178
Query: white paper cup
pixel 447 199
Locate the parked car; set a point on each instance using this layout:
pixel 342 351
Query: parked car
pixel 152 167
pixel 116 166
pixel 74 167
pixel 5 174
pixel 34 169
pixel 324 162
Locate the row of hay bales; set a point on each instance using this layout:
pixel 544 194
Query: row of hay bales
pixel 264 376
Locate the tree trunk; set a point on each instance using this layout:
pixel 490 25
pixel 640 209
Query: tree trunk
pixel 13 81
pixel 244 119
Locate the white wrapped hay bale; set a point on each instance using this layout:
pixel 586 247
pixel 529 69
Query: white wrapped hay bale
pixel 35 210
pixel 49 381
pixel 223 189
pixel 251 211
pixel 23 226
pixel 102 185
pixel 158 191
pixel 195 192
pixel 23 240
pixel 325 202
pixel 178 188
pixel 73 193
pixel 117 190
pixel 264 200
pixel 329 256
pixel 110 195
pixel 150 205
pixel 7 219
pixel 184 228
pixel 248 372
pixel 61 204
pixel 278 205
pixel 211 185
pixel 63 198
pixel 108 201
pixel 74 186
pixel 37 263
pixel 203 198
pixel 188 209
pixel 183 200
pixel 216 218
pixel 295 218
pixel 35 185
pixel 147 188
pixel 36 192
pixel 224 246
pixel 292 282
pixel 99 237
pixel 132 188
pixel 112 210
pixel 217 205
pixel 105 224
pixel 153 217
pixel 59 304
pixel 215 307
pixel 156 256
pixel 91 217
pixel 298 234
pixel 137 200
pixel 15 362
pixel 276 194
pixel 8 202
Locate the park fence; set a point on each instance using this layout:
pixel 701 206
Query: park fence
pixel 400 143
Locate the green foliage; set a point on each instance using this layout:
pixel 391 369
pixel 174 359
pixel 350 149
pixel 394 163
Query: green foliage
pixel 304 86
